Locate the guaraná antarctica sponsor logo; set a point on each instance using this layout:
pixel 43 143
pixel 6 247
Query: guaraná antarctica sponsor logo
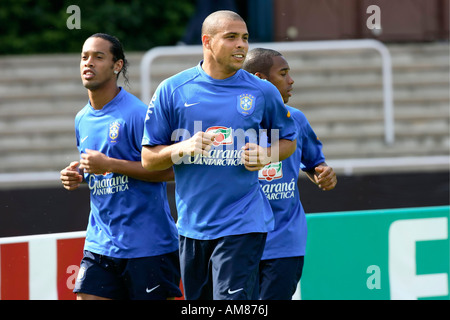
pixel 271 171
pixel 276 190
pixel 107 183
pixel 227 146
pixel 224 137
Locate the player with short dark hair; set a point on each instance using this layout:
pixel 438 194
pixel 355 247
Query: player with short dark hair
pixel 131 247
pixel 282 262
pixel 205 122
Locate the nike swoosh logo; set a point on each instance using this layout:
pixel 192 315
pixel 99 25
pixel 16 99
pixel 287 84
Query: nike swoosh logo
pixel 150 290
pixel 234 291
pixel 82 140
pixel 190 104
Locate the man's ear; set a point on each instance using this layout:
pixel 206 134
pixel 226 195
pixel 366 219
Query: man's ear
pixel 206 40
pixel 261 75
pixel 118 65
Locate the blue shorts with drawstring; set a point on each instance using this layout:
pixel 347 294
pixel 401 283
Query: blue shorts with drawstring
pixel 221 269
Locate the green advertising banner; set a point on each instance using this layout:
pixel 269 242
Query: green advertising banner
pixel 377 254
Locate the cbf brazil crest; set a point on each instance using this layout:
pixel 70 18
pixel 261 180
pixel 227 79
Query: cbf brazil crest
pixel 114 129
pixel 246 104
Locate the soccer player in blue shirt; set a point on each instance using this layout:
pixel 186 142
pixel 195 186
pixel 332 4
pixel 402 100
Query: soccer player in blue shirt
pixel 131 247
pixel 282 262
pixel 206 122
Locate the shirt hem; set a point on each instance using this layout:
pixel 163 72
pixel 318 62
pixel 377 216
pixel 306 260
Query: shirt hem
pixel 124 254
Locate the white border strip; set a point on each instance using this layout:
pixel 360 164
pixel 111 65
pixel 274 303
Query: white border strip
pixel 42 255
pixel 56 236
pixel 349 165
pixel 27 177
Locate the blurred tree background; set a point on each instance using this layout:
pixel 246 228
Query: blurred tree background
pixel 39 26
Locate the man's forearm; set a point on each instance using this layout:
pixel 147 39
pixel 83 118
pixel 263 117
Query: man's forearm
pixel 134 169
pixel 282 149
pixel 157 158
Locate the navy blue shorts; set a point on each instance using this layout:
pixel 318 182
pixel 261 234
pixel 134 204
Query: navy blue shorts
pixel 221 269
pixel 278 278
pixel 147 278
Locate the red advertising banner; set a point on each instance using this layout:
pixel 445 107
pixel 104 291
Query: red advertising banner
pixel 42 267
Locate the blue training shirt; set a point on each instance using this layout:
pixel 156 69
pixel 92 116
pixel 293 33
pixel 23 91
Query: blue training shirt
pixel 129 218
pixel 279 183
pixel 216 196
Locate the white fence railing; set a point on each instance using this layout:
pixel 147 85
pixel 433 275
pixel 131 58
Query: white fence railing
pixel 388 105
pixel 345 166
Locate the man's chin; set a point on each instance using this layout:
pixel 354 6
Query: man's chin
pixel 235 67
pixel 90 85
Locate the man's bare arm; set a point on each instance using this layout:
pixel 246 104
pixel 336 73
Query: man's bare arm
pixel 98 163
